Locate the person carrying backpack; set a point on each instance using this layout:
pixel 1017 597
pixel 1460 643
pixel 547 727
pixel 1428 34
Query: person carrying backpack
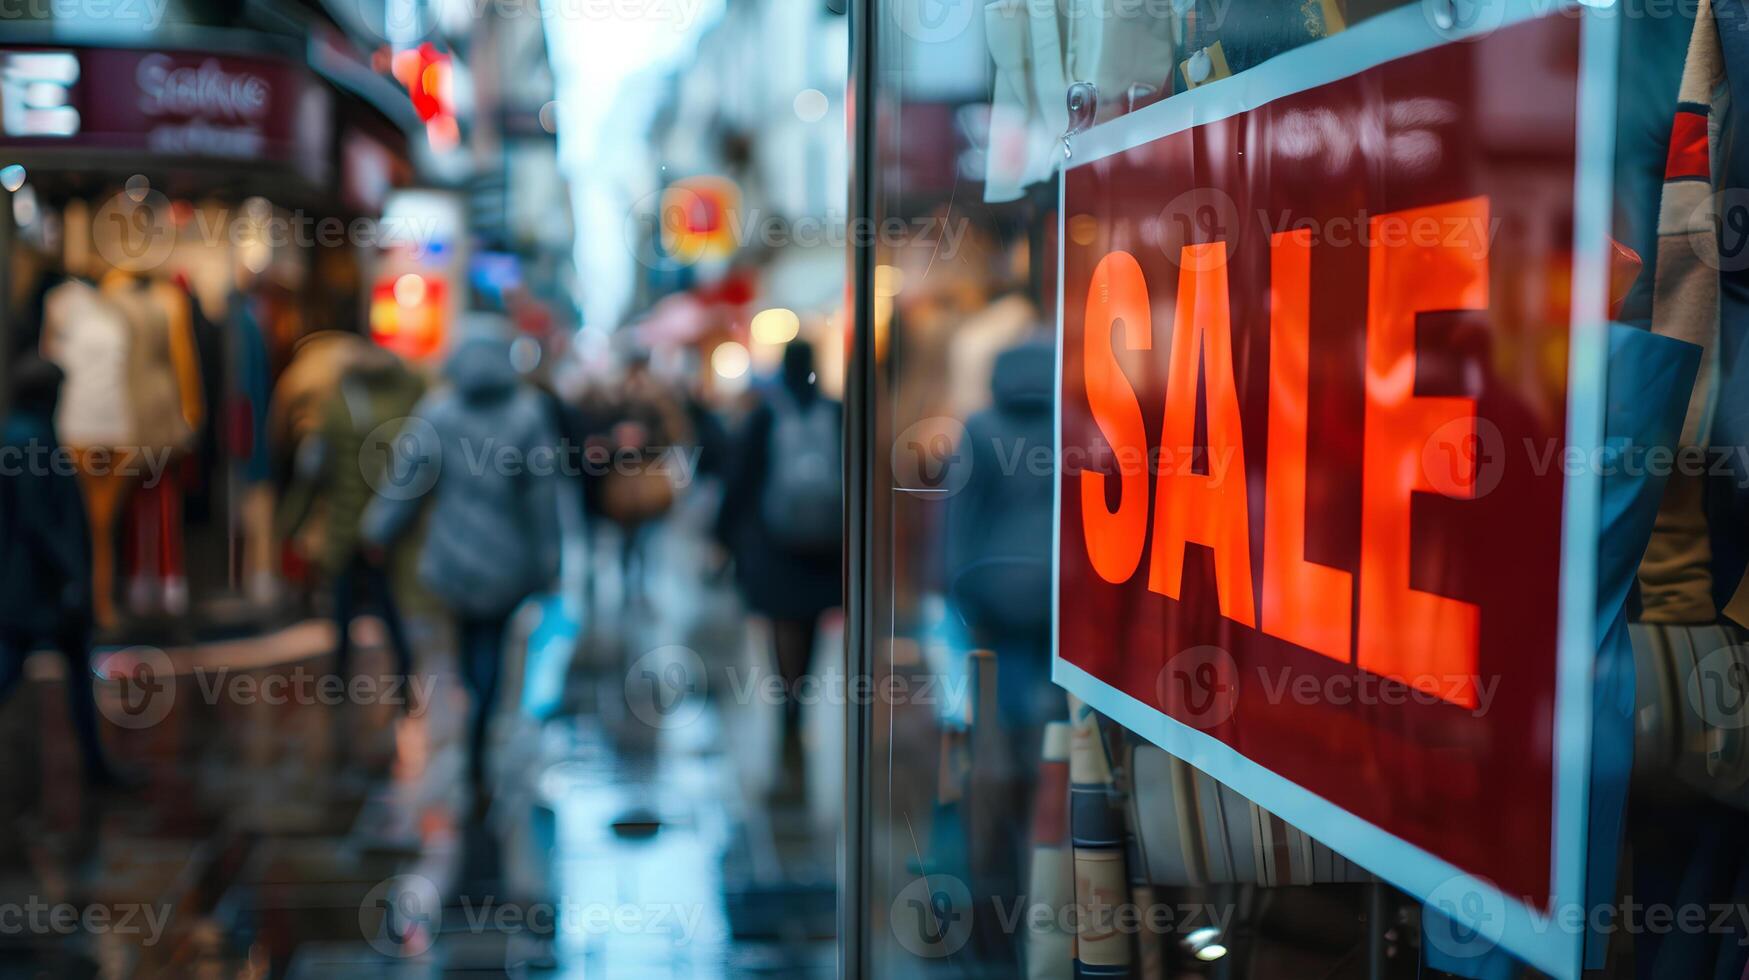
pixel 492 535
pixel 782 520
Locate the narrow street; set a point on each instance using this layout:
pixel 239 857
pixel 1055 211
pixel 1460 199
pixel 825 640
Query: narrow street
pixel 311 840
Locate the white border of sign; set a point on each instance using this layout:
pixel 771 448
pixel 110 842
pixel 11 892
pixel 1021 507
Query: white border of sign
pixel 1540 939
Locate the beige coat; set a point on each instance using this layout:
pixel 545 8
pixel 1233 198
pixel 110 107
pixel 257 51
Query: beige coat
pixel 155 385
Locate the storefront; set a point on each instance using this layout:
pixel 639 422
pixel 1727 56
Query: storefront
pixel 1258 415
pixel 208 206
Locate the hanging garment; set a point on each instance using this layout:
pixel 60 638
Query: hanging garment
pixel 155 388
pixel 203 506
pixel 1029 103
pixel 178 310
pixel 1645 402
pixel 89 339
pixel 1727 497
pixel 1041 48
pixel 1675 576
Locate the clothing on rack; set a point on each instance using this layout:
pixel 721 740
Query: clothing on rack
pixel 1040 50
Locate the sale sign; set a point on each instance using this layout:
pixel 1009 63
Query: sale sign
pixel 1327 329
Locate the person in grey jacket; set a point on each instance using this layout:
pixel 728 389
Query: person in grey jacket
pixel 481 453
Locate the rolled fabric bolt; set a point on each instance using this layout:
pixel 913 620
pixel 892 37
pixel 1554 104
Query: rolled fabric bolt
pixel 1096 830
pixel 1150 948
pixel 1050 945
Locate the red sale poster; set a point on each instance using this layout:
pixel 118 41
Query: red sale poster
pixel 1325 325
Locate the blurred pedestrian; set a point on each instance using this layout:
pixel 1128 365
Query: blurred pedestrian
pixel 345 463
pixel 999 535
pixel 482 454
pixel 998 555
pixel 45 577
pixel 782 519
pixel 649 429
pixel 294 415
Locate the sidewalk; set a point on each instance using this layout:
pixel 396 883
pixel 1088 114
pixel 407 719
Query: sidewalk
pixel 284 832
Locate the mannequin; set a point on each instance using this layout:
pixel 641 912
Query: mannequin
pixel 167 403
pixel 90 339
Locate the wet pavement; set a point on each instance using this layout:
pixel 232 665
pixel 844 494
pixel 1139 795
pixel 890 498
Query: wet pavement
pixel 639 822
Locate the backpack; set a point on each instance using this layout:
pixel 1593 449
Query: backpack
pixel 803 501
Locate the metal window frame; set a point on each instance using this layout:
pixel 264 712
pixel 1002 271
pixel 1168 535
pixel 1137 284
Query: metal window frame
pixel 855 849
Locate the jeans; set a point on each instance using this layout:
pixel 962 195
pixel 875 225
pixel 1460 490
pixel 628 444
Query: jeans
pixel 480 643
pixel 357 574
pixel 74 644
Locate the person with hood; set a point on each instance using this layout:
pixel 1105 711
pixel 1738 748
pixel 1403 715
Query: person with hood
pixel 782 519
pixel 45 579
pixel 481 454
pixel 343 463
pixel 998 550
pixel 998 579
